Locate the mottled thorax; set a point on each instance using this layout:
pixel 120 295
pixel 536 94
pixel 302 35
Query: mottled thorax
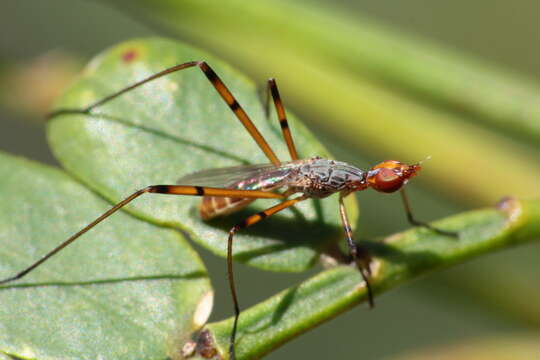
pixel 319 178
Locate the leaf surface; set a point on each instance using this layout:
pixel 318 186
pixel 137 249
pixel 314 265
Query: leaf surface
pixel 127 286
pixel 177 125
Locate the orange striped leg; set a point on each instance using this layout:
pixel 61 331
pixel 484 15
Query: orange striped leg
pixel 361 258
pixel 220 87
pixel 156 189
pixel 253 219
pixel 282 117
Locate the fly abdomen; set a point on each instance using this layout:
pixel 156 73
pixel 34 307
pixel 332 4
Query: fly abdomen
pixel 212 206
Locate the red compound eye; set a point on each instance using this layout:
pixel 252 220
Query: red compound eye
pixel 386 180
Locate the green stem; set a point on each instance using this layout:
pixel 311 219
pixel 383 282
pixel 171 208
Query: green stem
pixel 398 259
pixel 363 47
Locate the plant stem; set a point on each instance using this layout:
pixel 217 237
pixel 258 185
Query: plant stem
pixel 398 259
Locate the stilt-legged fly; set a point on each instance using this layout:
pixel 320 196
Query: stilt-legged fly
pixel 226 190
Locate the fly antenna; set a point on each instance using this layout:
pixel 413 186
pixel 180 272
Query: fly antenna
pixel 426 159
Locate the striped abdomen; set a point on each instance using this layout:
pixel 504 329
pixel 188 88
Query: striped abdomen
pixel 212 206
pixel 265 180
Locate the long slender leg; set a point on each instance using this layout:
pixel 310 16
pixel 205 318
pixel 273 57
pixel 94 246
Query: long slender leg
pixel 220 87
pixel 361 259
pixel 253 219
pixel 273 91
pixel 415 222
pixel 156 189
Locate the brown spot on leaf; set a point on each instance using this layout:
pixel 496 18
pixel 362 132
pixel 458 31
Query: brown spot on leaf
pixel 129 55
pixel 205 345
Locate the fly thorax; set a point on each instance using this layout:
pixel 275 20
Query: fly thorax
pixel 321 177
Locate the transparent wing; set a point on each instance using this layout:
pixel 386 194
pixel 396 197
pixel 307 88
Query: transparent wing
pixel 244 177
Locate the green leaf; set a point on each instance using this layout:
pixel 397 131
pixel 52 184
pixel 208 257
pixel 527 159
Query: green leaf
pixel 177 125
pixel 127 286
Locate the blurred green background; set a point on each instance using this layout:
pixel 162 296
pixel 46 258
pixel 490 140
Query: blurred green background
pixel 495 297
